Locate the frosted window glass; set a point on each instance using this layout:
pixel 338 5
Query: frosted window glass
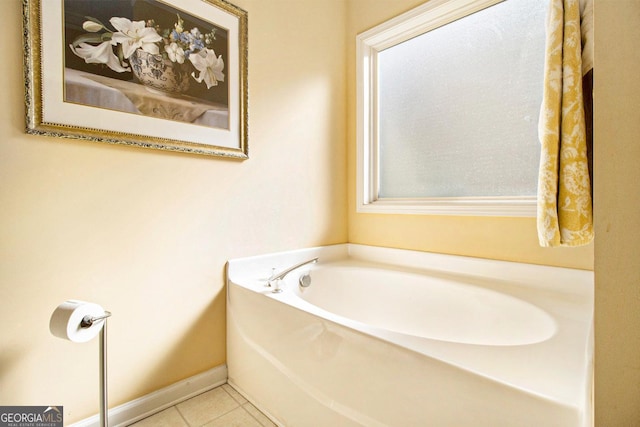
pixel 458 106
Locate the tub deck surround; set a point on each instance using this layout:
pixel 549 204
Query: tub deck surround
pixel 395 337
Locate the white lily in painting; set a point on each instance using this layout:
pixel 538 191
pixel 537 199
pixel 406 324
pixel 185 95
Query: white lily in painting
pixel 175 52
pixel 209 66
pixel 133 35
pixel 101 54
pixel 92 26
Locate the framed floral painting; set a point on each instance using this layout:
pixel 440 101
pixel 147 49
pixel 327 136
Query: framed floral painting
pixel 162 74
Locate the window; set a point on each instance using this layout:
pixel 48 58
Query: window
pixel 448 102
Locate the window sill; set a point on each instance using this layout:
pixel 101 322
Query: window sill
pixel 467 206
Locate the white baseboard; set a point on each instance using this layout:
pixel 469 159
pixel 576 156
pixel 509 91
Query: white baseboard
pixel 159 400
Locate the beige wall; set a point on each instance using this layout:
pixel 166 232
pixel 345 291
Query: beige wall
pixel 617 212
pixel 146 234
pixel 512 239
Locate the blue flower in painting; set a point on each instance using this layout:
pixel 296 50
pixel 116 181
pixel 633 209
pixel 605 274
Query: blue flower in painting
pixel 197 45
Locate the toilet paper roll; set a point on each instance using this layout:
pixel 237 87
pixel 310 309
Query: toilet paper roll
pixel 67 317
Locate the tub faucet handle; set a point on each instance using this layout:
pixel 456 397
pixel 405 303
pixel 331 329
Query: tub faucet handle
pixel 276 284
pixel 271 276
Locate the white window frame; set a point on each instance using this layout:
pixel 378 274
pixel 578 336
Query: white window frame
pixel 431 15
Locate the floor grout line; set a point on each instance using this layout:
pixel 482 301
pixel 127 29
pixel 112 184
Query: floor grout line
pixel 181 415
pixel 225 413
pixel 250 414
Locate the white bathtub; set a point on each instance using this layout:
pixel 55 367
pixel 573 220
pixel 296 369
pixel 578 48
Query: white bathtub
pixel 386 337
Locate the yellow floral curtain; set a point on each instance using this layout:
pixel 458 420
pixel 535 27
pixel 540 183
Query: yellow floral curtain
pixel 564 216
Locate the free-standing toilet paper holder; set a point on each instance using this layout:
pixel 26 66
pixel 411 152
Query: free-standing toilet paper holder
pixel 79 321
pixel 87 322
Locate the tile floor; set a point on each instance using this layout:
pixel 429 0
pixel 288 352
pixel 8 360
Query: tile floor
pixel 221 407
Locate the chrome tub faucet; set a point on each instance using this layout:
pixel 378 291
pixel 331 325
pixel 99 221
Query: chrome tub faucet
pixel 274 280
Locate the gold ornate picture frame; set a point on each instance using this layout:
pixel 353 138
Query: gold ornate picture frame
pixel 160 74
